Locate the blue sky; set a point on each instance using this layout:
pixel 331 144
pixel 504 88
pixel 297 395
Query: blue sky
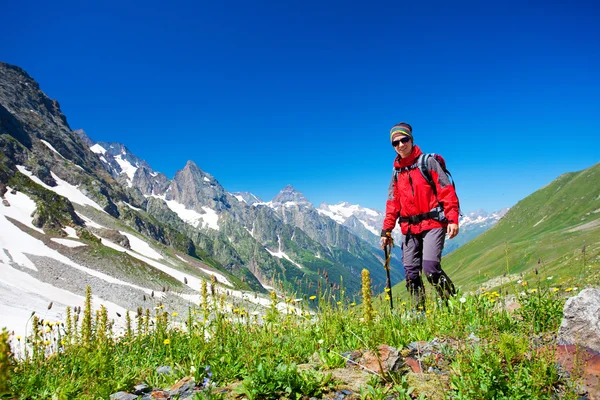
pixel 264 94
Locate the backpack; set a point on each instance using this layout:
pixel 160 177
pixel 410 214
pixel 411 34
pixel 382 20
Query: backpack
pixel 422 163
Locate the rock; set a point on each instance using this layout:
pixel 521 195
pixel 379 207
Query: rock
pixel 184 388
pixel 141 389
pixel 582 364
pixel 160 394
pixel 415 365
pixel 352 357
pixel 351 379
pixel 115 237
pixel 123 396
pixel 5 203
pixel 581 320
pixel 430 386
pixel 386 359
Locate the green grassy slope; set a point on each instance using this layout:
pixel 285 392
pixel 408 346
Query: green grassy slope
pixel 546 231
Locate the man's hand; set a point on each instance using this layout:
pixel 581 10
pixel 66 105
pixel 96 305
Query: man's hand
pixel 452 230
pixel 385 240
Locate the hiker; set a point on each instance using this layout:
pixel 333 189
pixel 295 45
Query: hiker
pixel 423 199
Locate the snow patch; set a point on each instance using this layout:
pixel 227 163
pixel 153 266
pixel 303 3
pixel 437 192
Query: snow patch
pixel 142 247
pixel 71 232
pixel 239 198
pixel 126 168
pixel 21 208
pixel 132 207
pixel 64 189
pixel 68 242
pixel 98 149
pixel 22 294
pixel 208 220
pixel 89 222
pixel 52 148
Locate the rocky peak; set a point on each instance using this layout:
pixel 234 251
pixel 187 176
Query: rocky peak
pixel 290 195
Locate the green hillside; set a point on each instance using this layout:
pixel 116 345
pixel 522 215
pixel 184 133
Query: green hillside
pixel 546 231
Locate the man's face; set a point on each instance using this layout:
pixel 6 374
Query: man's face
pixel 403 145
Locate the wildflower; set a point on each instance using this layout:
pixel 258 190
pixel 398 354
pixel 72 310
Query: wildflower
pixel 47 330
pixel 524 283
pixel 321 341
pixel 312 297
pixel 550 278
pixel 339 303
pixel 555 289
pixel 519 281
pixel 167 341
pixel 568 289
pixel 387 290
pixel 387 298
pixel 403 303
pixel 462 300
pixel 353 304
pixel 19 338
pixel 532 290
pixel 575 288
pixel 175 314
pixel 46 342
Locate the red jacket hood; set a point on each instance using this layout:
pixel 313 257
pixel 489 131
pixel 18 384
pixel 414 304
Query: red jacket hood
pixel 400 162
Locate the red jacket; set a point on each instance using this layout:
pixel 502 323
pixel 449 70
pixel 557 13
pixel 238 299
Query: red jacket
pixel 410 194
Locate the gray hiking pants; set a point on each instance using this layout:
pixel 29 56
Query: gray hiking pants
pixel 423 252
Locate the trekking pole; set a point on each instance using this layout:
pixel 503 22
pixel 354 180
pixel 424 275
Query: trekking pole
pixel 386 266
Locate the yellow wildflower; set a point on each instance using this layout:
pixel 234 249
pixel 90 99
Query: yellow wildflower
pixel 175 314
pixel 568 289
pixel 387 289
pixel 312 297
pixel 167 341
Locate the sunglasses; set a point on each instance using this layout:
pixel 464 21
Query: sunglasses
pixel 404 140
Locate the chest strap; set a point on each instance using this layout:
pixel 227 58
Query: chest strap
pixel 436 214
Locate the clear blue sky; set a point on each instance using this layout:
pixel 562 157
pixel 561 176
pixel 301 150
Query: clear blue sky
pixel 263 94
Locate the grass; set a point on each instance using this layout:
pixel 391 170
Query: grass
pixel 82 357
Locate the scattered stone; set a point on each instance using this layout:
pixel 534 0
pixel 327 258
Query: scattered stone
pixel 165 369
pixel 385 360
pixel 352 379
pixel 415 365
pixel 160 394
pixel 123 396
pixel 115 237
pixel 352 357
pixel 581 320
pixel 580 362
pixel 141 389
pixel 184 388
pixel 5 203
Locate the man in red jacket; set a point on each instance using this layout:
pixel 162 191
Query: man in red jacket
pixel 426 212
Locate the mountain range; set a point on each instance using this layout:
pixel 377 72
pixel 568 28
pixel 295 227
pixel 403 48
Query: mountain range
pixel 82 212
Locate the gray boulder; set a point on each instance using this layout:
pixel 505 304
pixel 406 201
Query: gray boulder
pixel 581 320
